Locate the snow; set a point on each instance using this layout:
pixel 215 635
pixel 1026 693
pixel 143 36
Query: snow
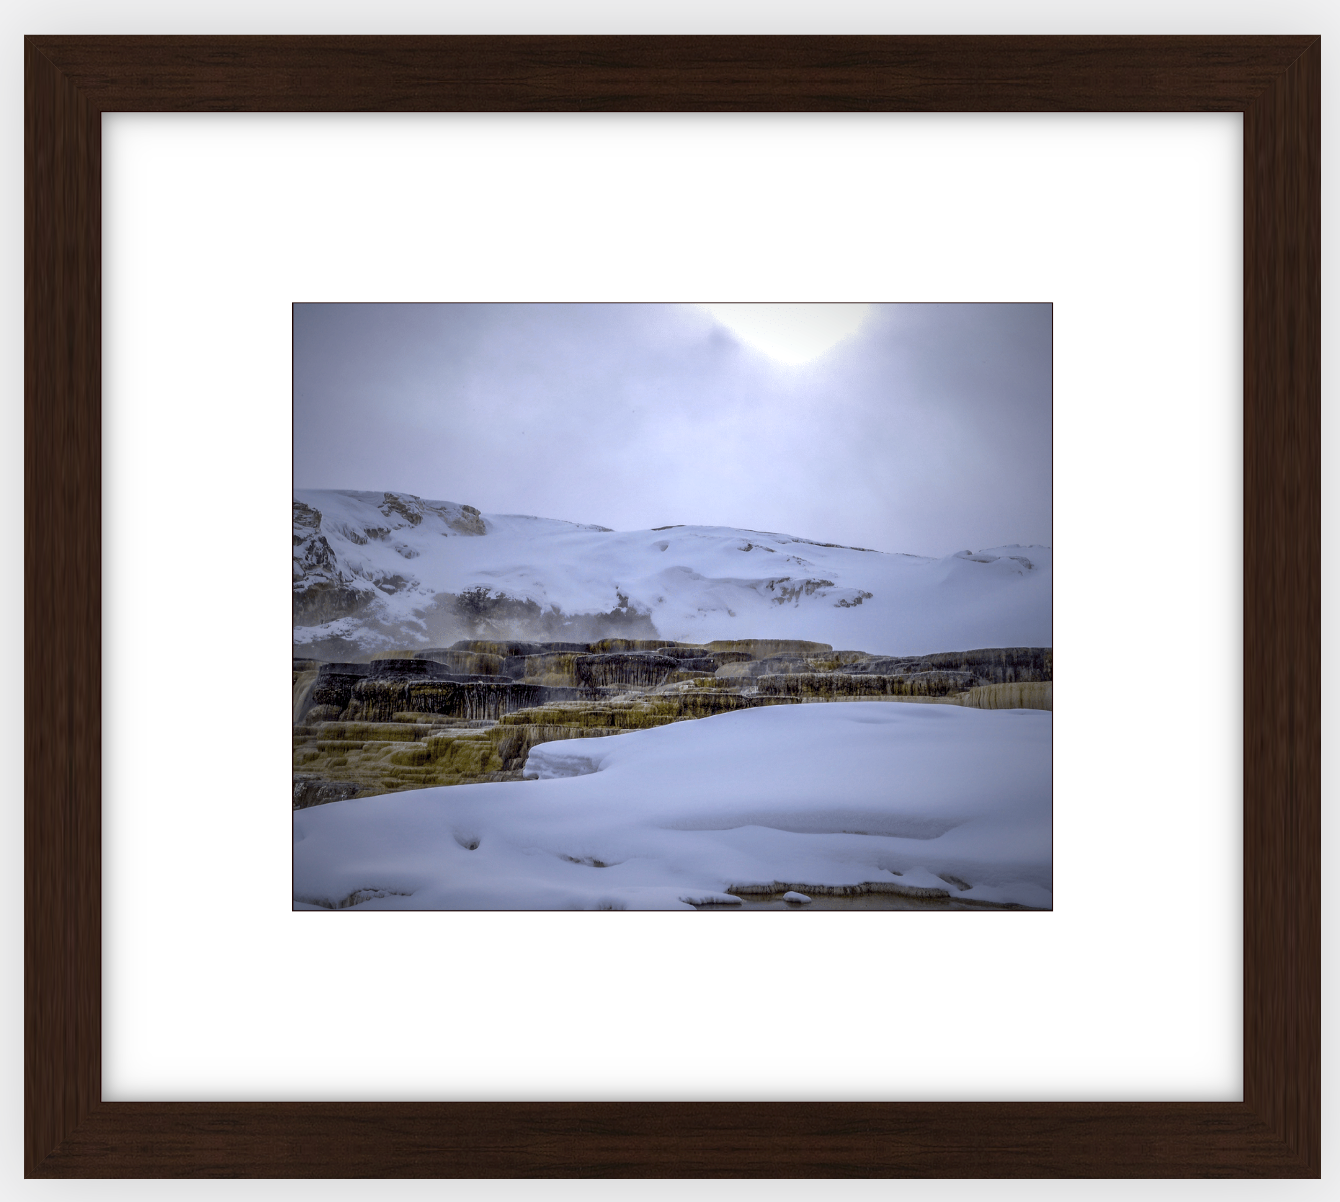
pixel 800 899
pixel 697 583
pixel 807 798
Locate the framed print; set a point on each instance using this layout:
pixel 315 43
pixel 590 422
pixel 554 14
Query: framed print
pixel 504 654
pixel 75 1129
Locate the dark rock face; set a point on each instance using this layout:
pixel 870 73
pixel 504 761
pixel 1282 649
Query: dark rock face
pixel 694 658
pixel 325 601
pixel 427 720
pixel 843 684
pixel 604 645
pixel 334 689
pixel 774 665
pixel 310 549
pixel 323 713
pixel 641 668
pixel 472 663
pixel 786 589
pixel 704 703
pixel 508 649
pixel 408 668
pixel 990 665
pixel 470 522
pixel 379 699
pixel 320 593
pixel 464 519
pixel 707 664
pixel 555 667
pixel 998 665
pixel 627 668
pixel 408 507
pixel 311 792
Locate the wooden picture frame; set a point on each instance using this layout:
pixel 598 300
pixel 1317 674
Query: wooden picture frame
pixel 1274 1131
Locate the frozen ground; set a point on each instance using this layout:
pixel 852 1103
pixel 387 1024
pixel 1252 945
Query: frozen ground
pixel 696 583
pixel 909 797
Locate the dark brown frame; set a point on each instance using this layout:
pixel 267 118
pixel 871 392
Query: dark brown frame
pixel 1275 1131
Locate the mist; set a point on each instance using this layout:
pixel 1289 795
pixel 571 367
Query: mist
pixel 927 431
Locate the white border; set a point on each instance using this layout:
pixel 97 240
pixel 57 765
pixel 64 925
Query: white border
pixel 1130 224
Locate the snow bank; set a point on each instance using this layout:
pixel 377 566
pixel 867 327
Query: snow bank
pixel 922 800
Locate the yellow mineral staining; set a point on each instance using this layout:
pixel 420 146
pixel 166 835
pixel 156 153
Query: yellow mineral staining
pixel 752 670
pixel 362 732
pixel 763 648
pixel 465 663
pixel 531 734
pixel 402 732
pixel 577 715
pixel 835 660
pixel 413 756
pixel 1027 695
pixel 507 649
pixel 605 646
pixel 466 754
pixel 559 669
pixel 682 677
pixel 303 681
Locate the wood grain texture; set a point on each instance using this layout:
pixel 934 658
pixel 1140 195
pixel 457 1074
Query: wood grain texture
pixel 662 1139
pixel 62 607
pixel 1274 1131
pixel 671 73
pixel 1282 602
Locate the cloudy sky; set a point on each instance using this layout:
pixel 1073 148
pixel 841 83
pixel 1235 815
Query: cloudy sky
pixel 919 428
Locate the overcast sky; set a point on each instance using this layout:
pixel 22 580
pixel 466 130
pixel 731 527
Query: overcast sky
pixel 926 430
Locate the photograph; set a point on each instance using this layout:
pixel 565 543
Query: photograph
pixel 672 606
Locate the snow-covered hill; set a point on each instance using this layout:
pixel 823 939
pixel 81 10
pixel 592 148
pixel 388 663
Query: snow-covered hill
pixel 920 800
pixel 374 571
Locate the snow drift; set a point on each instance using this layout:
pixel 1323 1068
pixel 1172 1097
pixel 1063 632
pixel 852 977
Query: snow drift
pixel 812 798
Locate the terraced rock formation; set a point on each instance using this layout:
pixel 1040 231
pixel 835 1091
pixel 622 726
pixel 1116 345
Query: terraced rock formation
pixel 471 712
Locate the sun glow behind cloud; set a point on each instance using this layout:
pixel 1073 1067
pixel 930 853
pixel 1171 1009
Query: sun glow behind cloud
pixel 791 334
pixel 635 416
